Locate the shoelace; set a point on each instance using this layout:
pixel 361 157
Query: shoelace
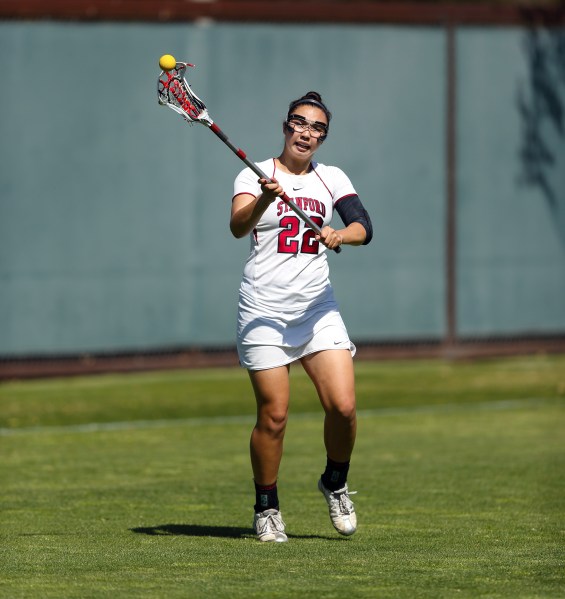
pixel 342 501
pixel 271 521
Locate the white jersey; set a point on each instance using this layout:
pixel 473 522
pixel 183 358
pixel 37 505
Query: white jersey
pixel 287 269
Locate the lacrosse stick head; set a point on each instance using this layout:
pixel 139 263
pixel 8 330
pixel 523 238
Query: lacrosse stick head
pixel 173 91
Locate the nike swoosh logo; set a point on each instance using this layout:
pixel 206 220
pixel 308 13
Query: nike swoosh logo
pixel 339 342
pixel 298 188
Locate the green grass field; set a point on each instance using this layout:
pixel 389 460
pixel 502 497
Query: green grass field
pixel 140 486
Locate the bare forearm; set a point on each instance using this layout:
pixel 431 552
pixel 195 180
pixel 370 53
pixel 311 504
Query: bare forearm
pixel 245 218
pixel 246 210
pixel 354 234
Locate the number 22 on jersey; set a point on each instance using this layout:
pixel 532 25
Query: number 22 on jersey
pixel 289 236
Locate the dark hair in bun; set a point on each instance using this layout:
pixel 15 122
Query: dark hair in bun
pixel 313 99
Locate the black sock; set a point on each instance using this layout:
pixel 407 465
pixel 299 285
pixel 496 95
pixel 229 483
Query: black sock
pixel 335 475
pixel 266 497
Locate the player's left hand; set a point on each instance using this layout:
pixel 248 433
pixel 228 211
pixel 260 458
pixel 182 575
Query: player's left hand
pixel 330 238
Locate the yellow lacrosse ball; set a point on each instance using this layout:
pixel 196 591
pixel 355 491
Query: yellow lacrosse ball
pixel 167 62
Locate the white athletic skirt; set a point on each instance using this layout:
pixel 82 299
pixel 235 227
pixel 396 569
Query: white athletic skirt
pixel 277 339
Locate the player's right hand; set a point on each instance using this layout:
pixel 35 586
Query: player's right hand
pixel 271 189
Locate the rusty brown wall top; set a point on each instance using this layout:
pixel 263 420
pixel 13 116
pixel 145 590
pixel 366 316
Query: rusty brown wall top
pixel 287 11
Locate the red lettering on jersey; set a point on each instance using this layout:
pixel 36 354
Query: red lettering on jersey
pixel 311 205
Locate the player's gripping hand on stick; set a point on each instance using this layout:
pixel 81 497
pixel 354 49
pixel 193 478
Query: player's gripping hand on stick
pixel 271 189
pixel 330 238
pixel 353 234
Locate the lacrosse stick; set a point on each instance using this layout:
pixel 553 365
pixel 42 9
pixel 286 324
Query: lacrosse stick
pixel 173 91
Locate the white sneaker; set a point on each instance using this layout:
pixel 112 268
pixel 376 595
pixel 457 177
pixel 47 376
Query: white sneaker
pixel 269 526
pixel 342 510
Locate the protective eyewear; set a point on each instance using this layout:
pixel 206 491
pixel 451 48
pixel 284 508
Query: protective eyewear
pixel 299 124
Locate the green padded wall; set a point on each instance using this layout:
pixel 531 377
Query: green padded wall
pixel 114 213
pixel 511 181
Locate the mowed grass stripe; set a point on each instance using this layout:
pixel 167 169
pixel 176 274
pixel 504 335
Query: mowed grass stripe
pixel 209 393
pixel 93 427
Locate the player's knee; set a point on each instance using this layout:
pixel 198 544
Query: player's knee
pixel 348 412
pixel 273 422
pixel 344 409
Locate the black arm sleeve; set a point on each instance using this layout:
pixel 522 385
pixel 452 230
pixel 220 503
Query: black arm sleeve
pixel 350 210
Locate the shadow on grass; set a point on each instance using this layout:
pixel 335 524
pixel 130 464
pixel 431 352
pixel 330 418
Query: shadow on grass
pixel 198 530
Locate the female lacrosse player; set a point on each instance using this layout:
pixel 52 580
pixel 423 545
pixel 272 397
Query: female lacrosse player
pixel 287 311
